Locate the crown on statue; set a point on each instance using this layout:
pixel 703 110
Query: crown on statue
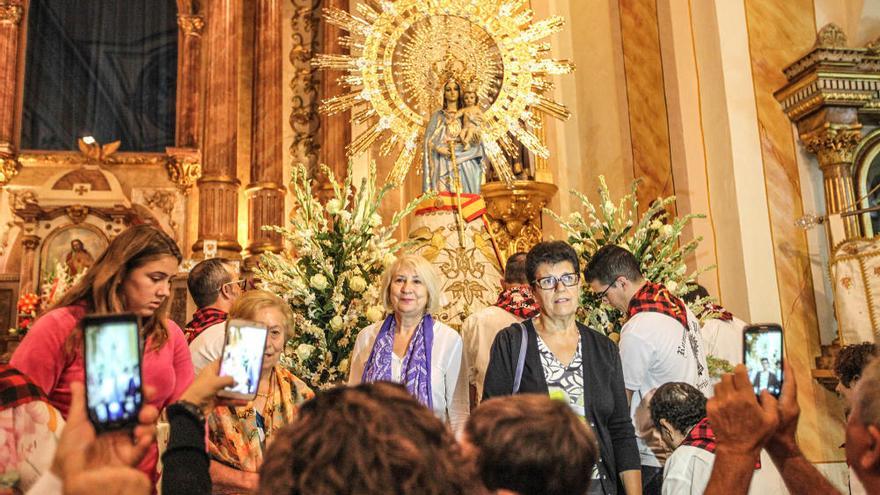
pixel 454 69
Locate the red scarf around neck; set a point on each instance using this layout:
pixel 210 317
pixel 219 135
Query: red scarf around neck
pixel 519 301
pixel 701 436
pixel 202 319
pixel 657 299
pixel 719 312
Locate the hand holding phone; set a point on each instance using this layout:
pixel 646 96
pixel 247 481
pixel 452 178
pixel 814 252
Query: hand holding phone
pixel 112 349
pixel 763 350
pixel 242 358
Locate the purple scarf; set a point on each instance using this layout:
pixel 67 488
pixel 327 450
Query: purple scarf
pixel 416 371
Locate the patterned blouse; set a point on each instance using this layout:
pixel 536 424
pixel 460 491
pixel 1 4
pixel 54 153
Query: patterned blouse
pixel 238 436
pixel 566 383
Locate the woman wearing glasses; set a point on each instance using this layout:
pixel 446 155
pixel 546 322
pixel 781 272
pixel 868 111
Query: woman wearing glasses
pixel 570 362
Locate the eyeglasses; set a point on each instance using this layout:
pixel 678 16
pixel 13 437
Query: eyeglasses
pixel 241 283
pixel 601 295
pixel 567 279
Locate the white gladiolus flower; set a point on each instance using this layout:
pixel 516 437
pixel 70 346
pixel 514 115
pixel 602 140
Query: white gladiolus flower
pixel 609 206
pixel 672 286
pixel 656 224
pixel 375 313
pixel 345 215
pixel 375 220
pixel 334 206
pixel 357 284
pixel 319 281
pixel 336 323
pixel 667 230
pixel 304 351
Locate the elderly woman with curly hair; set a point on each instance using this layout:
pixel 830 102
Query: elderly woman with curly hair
pixel 380 453
pixel 412 348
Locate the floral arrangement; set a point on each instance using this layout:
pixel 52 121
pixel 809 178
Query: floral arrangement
pixel 653 237
pixel 59 280
pixel 331 273
pixel 27 307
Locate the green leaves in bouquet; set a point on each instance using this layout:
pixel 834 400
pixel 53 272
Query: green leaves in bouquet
pixel 330 272
pixel 653 237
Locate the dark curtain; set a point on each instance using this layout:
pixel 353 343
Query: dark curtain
pixel 105 68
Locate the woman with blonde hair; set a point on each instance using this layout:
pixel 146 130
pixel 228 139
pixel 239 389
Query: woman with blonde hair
pixel 132 275
pixel 410 347
pixel 238 436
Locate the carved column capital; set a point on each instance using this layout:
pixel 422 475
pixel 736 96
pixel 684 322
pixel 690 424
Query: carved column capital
pixel 9 164
pixel 30 242
pixel 10 12
pixel 833 143
pixel 184 167
pixel 191 25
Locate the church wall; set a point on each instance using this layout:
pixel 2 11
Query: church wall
pixel 596 139
pixel 778 34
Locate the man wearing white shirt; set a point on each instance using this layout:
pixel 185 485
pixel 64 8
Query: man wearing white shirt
pixel 514 304
pixel 659 343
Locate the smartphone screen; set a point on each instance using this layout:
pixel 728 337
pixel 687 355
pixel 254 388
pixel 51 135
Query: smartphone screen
pixel 242 358
pixel 763 351
pixel 112 350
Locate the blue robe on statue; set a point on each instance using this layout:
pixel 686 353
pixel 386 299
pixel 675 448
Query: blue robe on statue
pixel 437 168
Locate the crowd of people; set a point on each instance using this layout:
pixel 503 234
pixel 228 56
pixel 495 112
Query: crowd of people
pixel 525 400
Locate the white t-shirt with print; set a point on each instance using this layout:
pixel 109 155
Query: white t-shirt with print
pixel 655 349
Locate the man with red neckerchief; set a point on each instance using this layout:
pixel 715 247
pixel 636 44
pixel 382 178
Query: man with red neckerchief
pixel 515 303
pixel 659 343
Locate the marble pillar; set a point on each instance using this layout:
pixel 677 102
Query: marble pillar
pixel 219 185
pixel 265 192
pixel 11 15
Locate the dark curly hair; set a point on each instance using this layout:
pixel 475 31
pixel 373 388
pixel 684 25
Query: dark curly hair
pixel 533 445
pixel 370 439
pixel 851 360
pixel 551 252
pixel 679 403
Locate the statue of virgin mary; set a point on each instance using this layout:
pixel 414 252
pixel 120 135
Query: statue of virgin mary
pixel 442 137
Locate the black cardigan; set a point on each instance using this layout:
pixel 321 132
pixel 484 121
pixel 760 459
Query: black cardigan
pixel 604 391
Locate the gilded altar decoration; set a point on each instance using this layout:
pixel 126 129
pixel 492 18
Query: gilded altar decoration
pixel 410 56
pixel 855 273
pixel 515 213
pixel 653 238
pixel 95 151
pixel 331 274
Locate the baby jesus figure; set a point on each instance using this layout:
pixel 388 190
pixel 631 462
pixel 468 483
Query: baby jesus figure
pixel 472 119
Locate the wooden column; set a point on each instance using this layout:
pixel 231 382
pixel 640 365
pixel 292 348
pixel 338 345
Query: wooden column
pixel 265 192
pixel 218 187
pixel 26 283
pixel 335 130
pixel 189 80
pixel 11 14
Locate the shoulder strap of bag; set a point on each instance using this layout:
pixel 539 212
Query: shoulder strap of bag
pixel 521 360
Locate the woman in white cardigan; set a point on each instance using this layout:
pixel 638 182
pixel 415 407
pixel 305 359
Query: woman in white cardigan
pixel 410 347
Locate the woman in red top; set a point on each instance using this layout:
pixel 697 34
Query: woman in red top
pixel 132 275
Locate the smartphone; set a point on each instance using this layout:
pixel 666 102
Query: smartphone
pixel 763 355
pixel 242 358
pixel 112 350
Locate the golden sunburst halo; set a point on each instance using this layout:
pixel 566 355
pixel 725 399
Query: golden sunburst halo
pixel 400 50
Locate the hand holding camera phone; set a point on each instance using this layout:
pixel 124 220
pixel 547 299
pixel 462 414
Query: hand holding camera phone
pixel 114 384
pixel 242 358
pixel 763 350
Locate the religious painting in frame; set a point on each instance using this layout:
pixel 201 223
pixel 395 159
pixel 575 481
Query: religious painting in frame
pixel 67 252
